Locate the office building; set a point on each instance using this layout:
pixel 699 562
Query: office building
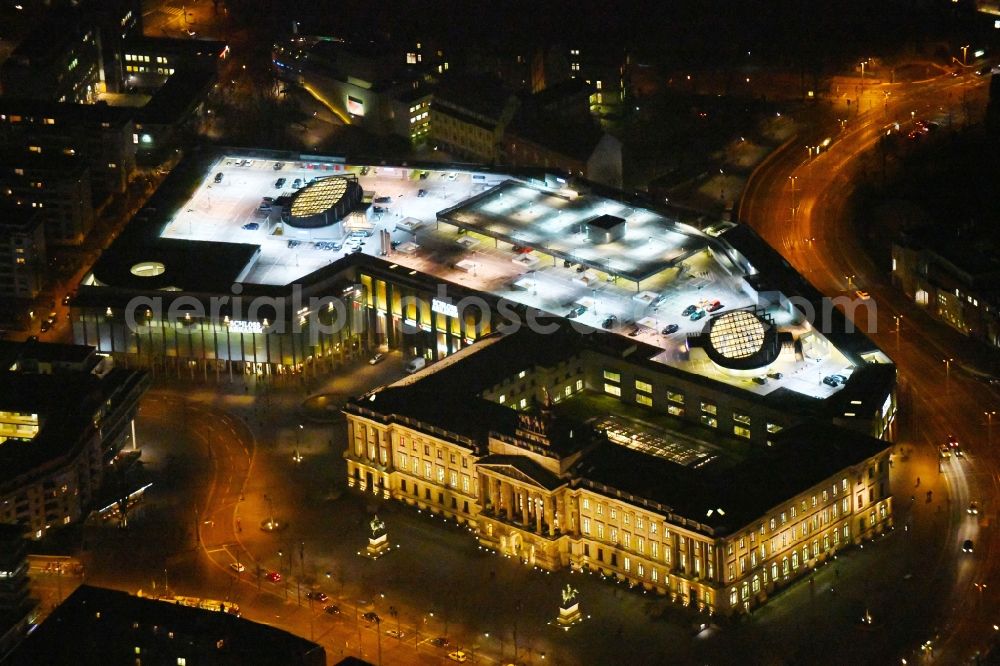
pixel 17 607
pixel 469 115
pixel 65 412
pixel 952 280
pixel 55 185
pixel 103 137
pixel 22 252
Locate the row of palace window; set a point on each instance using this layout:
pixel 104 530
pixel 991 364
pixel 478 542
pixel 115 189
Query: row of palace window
pixel 641 571
pixel 882 512
pixel 432 470
pixel 627 541
pixel 788 564
pixel 676 405
pixel 626 517
pixel 436 472
pixel 440 496
pixel 815 501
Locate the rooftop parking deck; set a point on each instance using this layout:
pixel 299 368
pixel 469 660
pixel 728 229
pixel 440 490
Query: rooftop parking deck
pixel 557 223
pixel 518 241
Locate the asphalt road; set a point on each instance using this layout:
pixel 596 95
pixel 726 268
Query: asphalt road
pixel 799 203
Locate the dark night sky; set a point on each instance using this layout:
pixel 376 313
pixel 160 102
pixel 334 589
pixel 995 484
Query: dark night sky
pixel 669 30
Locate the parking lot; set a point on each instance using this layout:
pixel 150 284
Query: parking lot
pixel 407 202
pixel 227 211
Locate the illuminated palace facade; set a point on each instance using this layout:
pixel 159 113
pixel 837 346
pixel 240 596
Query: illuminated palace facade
pixel 577 477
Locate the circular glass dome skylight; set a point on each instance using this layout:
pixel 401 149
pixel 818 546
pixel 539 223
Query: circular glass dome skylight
pixel 148 269
pixel 738 334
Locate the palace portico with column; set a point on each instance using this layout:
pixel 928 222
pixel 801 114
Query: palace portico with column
pixel 524 486
pixel 558 485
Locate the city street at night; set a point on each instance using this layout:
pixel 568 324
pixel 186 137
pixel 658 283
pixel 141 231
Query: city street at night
pixel 515 334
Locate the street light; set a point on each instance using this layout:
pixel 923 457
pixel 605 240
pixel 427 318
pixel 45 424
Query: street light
pixel 989 427
pixel 850 281
pixel 298 444
pixel 965 52
pixel 863 63
pixel 898 319
pixel 270 513
pixel 947 373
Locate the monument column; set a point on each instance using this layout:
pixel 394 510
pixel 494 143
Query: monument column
pixel 491 494
pixel 536 502
pixel 483 493
pixel 550 515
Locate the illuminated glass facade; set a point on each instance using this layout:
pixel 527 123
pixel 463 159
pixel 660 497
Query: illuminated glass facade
pixel 406 315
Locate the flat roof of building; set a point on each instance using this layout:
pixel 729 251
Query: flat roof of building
pixel 89 115
pixel 100 625
pixel 728 498
pixel 515 236
pixel 65 403
pixel 553 222
pixel 45 352
pixel 182 90
pixel 59 28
